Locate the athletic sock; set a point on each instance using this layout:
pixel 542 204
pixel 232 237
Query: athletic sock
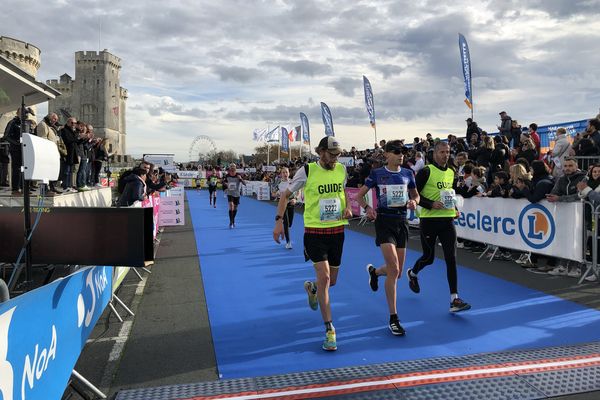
pixel 230 217
pixel 411 273
pixel 329 326
pixel 393 317
pixel 453 296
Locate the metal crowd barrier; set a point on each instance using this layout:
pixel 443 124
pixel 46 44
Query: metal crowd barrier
pixel 591 264
pixel 585 162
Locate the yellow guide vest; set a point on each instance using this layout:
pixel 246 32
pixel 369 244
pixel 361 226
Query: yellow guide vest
pixel 323 184
pixel 438 180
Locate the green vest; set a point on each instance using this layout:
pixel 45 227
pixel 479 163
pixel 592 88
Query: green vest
pixel 438 181
pixel 323 184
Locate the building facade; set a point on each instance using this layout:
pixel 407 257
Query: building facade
pixel 95 96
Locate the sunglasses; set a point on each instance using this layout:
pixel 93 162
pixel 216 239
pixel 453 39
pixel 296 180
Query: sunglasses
pixel 396 151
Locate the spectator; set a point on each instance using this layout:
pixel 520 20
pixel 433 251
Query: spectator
pixel 135 188
pixel 515 133
pixel 505 127
pixel 527 149
pixel 535 137
pixel 47 129
pixel 560 152
pixel 419 162
pixel 472 130
pixel 69 135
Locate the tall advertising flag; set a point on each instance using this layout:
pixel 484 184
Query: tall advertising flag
pixel 465 57
pixel 369 100
pixel 285 140
pixel 327 120
pixel 272 135
pixel 305 131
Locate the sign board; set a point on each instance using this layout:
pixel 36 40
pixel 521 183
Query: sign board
pixel 165 161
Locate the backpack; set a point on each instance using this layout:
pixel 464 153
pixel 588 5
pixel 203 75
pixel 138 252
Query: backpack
pixel 121 182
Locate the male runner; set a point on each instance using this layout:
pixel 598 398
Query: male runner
pixel 213 180
pixel 231 182
pixel 325 214
pixel 396 192
pixel 435 184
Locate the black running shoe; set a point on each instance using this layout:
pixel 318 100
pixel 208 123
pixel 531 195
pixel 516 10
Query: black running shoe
pixel 373 278
pixel 458 305
pixel 413 282
pixel 396 328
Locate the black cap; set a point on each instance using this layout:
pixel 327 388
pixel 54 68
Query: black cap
pixel 469 120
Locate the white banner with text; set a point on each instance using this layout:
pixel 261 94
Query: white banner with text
pixel 554 229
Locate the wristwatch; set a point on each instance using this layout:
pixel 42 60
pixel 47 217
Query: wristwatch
pixel 278 217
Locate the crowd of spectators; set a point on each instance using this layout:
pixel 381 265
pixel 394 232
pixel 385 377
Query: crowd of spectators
pixel 82 154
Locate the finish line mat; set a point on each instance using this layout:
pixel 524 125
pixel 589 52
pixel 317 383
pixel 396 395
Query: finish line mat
pixel 262 325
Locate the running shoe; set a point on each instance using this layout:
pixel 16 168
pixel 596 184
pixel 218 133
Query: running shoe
pixel 373 278
pixel 396 328
pixel 288 245
pixel 413 282
pixel 459 305
pixel 330 344
pixel 311 291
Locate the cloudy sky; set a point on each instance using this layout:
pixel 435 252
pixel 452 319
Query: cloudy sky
pixel 223 68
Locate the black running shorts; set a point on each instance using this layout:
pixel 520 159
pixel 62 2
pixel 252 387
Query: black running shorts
pixel 212 189
pixel 319 248
pixel 391 230
pixel 233 199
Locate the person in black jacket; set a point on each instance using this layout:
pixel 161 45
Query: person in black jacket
pixel 135 188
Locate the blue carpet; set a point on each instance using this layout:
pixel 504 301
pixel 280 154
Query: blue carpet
pixel 261 323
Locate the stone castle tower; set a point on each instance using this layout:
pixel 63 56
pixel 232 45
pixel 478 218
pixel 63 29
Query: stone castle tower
pixel 95 96
pixel 24 55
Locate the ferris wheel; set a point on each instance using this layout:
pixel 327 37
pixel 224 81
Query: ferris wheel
pixel 201 145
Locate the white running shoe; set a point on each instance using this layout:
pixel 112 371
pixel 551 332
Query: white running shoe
pixel 559 270
pixel 288 245
pixel 591 278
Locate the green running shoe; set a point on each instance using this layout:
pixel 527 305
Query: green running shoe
pixel 330 344
pixel 311 290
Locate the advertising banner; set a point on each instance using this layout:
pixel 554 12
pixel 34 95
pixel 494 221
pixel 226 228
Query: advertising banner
pixel 262 191
pixel 347 161
pixel 171 211
pixel 269 168
pixel 521 225
pixel 43 331
pixel 165 161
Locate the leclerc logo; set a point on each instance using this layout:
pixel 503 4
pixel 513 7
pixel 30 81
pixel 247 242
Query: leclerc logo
pixel 536 226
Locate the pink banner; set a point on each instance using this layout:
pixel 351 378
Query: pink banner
pixel 154 202
pixel 351 194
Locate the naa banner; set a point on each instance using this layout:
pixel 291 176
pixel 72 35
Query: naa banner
pixel 327 120
pixel 369 100
pixel 542 228
pixel 305 129
pixel 465 59
pixel 285 140
pixel 43 331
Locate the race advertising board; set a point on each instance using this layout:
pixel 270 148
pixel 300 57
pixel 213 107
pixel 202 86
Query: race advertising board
pixel 172 207
pixel 164 161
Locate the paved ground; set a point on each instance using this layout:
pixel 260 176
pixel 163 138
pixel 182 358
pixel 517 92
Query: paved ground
pixel 169 339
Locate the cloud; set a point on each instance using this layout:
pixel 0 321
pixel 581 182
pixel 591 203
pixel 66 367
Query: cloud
pixel 236 74
pixel 300 67
pixel 346 86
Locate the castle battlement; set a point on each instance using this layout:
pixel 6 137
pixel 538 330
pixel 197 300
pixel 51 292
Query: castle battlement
pixel 21 53
pixel 98 57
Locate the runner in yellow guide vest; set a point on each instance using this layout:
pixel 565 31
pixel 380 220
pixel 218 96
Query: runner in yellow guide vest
pixel 325 214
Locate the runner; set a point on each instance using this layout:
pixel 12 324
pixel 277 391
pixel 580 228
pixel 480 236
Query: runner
pixel 325 215
pixel 437 198
pixel 288 215
pixel 231 184
pixel 393 186
pixel 213 180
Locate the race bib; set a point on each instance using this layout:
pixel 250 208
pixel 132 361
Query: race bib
pixel 448 197
pixel 396 195
pixel 330 209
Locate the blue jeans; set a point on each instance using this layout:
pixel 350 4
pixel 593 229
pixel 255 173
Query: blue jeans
pixel 68 176
pixel 82 173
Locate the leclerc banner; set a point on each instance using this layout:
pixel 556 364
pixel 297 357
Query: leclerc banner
pixel 43 331
pixel 554 229
pixel 327 120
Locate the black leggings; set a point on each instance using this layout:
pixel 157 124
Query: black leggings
pixel 288 219
pixel 431 229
